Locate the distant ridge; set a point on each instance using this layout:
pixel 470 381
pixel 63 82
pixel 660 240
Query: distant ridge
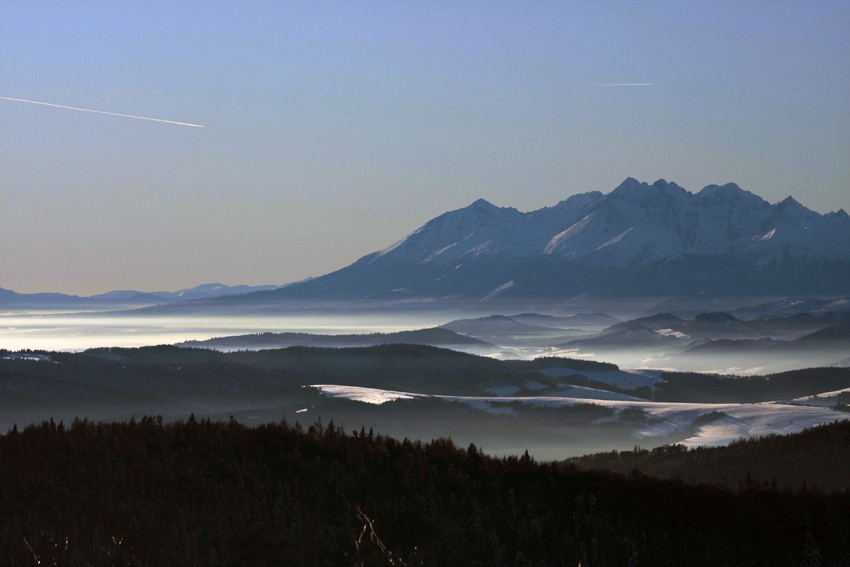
pixel 128 297
pixel 639 239
pixel 431 337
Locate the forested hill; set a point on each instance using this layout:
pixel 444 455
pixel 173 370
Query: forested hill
pixel 817 457
pixel 434 336
pixel 205 493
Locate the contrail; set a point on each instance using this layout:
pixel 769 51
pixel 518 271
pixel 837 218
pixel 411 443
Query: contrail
pixel 102 112
pixel 618 85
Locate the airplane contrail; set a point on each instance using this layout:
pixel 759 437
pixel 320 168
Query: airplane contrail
pixel 619 85
pixel 102 112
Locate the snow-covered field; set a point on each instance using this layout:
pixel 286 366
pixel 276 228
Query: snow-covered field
pixel 825 399
pixel 731 421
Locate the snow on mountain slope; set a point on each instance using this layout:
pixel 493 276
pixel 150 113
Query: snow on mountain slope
pixel 662 237
pixel 451 235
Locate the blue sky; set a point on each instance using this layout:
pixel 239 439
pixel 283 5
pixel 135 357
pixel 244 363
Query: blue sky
pixel 332 129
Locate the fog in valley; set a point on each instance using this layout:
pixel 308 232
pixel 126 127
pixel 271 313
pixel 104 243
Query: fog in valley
pixel 741 336
pixel 560 379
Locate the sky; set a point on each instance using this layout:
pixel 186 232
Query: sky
pixel 332 129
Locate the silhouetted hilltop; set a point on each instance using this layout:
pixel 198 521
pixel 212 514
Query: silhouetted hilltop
pixel 816 458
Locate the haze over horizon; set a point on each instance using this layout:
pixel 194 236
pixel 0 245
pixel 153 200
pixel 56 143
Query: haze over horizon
pixel 332 130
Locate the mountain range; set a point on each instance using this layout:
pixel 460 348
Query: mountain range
pixel 127 297
pixel 639 239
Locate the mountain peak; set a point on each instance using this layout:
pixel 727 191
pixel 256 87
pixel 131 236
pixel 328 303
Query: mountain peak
pixel 628 184
pixel 484 209
pixel 668 186
pixel 483 204
pixel 639 239
pixel 726 195
pixel 789 202
pixel 633 191
pixel 726 189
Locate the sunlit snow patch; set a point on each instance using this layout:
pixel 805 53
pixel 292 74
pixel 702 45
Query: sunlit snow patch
pixel 498 290
pixel 672 333
pixel 762 237
pixel 367 395
pixel 824 399
pixel 614 240
pixel 562 237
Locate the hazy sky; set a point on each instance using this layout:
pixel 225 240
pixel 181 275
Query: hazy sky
pixel 333 129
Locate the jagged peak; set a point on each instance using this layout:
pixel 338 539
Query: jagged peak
pixel 840 213
pixel 480 208
pixel 725 189
pixel 665 185
pixel 485 207
pixel 728 191
pixel 631 188
pixel 789 201
pixel 791 210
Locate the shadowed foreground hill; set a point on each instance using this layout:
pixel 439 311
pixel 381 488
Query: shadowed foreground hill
pixel 817 457
pixel 206 493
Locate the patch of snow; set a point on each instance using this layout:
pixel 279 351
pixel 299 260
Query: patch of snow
pixel 503 287
pixel 396 244
pixel 672 333
pixel 614 240
pixel 825 399
pixel 567 234
pixel 478 249
pixel 762 237
pixel 361 394
pixel 498 290
pixel 440 251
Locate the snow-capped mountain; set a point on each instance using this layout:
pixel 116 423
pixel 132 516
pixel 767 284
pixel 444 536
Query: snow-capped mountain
pixel 637 239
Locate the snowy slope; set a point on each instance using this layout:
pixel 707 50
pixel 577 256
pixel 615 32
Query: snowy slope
pixel 710 424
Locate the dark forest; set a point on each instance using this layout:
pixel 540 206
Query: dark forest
pixel 198 492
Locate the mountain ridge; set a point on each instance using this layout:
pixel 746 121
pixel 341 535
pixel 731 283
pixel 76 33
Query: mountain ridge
pixel 639 239
pixel 129 297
